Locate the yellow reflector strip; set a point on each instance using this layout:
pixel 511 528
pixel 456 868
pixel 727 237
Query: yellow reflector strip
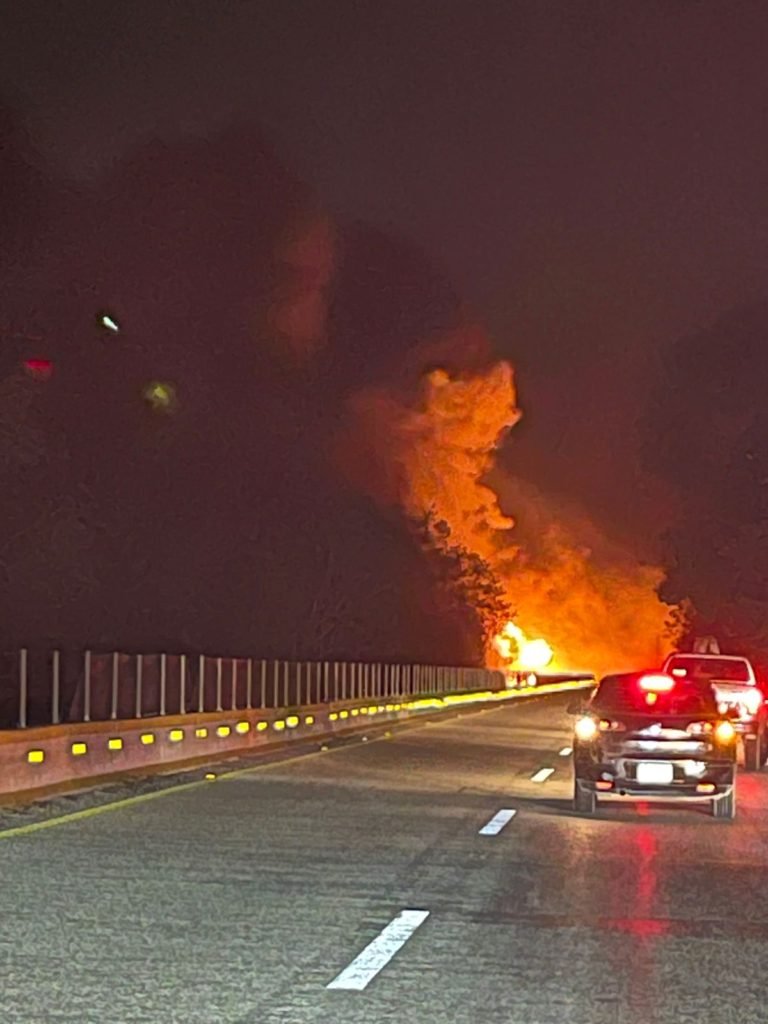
pixel 381 708
pixel 243 728
pixel 292 721
pixel 201 732
pixel 36 756
pixel 363 711
pixel 390 707
pixel 309 720
pixel 343 714
pixel 397 707
pixel 79 748
pixel 210 775
pixel 223 730
pixel 355 712
pixel 262 726
pixel 147 738
pixel 176 735
pixel 279 725
pixel 115 743
pixel 372 710
pixel 333 716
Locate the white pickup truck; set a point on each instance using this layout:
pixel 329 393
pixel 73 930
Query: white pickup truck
pixel 736 687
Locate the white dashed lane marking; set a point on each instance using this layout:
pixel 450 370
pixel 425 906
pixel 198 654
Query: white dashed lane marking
pixel 497 822
pixel 378 953
pixel 542 774
pixel 566 752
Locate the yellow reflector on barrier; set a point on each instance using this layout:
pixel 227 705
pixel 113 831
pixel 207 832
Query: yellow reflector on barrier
pixel 381 708
pixel 390 707
pixel 279 725
pixel 36 756
pixel 355 712
pixel 261 726
pixel 309 720
pixel 343 714
pixel 210 775
pixel 292 721
pixel 176 735
pixel 332 717
pixel 397 707
pixel 79 748
pixel 243 728
pixel 115 743
pixel 201 732
pixel 363 711
pixel 147 738
pixel 223 731
pixel 372 710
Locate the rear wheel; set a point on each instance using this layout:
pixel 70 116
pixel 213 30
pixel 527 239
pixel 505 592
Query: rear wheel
pixel 753 754
pixel 725 806
pixel 584 800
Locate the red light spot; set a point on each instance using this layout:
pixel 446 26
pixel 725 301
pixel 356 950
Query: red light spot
pixel 40 369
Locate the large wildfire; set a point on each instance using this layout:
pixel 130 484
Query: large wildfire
pixel 554 603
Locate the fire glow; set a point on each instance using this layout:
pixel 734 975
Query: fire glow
pixel 549 602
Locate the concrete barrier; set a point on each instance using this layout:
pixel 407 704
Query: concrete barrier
pixel 43 759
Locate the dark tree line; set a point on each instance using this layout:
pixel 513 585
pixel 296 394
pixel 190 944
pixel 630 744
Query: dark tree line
pixel 707 436
pixel 168 485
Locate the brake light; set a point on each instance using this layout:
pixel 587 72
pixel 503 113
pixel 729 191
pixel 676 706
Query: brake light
pixel 725 732
pixel 656 683
pixel 585 728
pixel 681 672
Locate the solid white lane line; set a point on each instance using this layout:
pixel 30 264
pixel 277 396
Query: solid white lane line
pixel 542 774
pixel 566 752
pixel 378 953
pixel 497 822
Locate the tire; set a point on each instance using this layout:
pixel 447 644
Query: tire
pixel 763 747
pixel 725 806
pixel 753 760
pixel 584 800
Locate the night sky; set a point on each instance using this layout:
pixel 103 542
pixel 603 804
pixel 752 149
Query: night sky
pixel 591 175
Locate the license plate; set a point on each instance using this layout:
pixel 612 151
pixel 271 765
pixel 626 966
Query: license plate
pixel 657 773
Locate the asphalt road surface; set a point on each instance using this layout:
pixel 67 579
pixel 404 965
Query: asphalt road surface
pixel 356 886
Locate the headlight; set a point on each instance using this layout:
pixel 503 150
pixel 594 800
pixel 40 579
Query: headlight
pixel 725 733
pixel 585 728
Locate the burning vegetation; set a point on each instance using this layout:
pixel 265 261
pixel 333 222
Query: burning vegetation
pixel 554 603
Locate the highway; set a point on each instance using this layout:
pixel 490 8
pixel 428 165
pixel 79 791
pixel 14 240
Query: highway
pixel 356 886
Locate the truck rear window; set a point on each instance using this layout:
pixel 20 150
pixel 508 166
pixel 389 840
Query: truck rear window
pixel 623 694
pixel 723 669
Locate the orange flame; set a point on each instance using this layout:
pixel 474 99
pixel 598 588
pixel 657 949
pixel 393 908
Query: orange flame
pixel 432 455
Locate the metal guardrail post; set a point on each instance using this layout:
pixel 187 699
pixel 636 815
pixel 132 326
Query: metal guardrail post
pixel 286 674
pixel 343 691
pixel 87 688
pixel 23 688
pixel 139 683
pixel 115 684
pixel 201 683
pixel 163 681
pixel 335 692
pixel 249 684
pixel 275 683
pixel 56 688
pixel 183 684
pixel 263 691
pixel 218 684
pixel 234 684
pixel 298 682
pixel 325 683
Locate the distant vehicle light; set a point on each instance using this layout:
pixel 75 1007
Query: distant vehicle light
pixel 109 322
pixel 680 672
pixel 585 728
pixel 656 683
pixel 40 369
pixel 725 732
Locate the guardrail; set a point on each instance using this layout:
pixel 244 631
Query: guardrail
pixel 50 688
pixel 44 759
